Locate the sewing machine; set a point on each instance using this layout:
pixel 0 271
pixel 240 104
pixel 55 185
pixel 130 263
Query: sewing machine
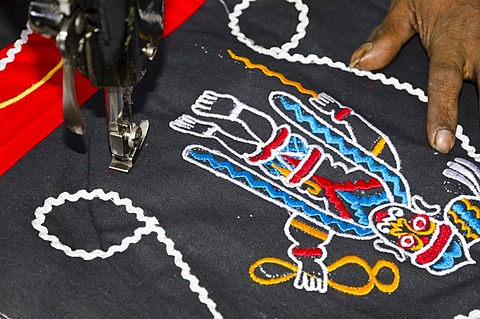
pixel 108 41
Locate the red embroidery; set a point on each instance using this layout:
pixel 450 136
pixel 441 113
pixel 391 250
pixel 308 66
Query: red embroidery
pixel 311 161
pixel 307 252
pixel 267 149
pixel 425 240
pixel 379 216
pixel 343 114
pixel 330 188
pixel 430 254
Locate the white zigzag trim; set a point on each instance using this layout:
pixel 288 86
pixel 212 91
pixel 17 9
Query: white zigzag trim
pixel 471 151
pixel 17 47
pixel 151 226
pixel 186 274
pixel 282 52
pixel 474 314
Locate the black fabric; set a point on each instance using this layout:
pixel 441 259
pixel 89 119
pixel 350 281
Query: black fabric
pixel 220 228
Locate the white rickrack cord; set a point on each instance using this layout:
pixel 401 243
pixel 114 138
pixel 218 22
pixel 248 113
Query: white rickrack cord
pixel 474 314
pixel 282 54
pixel 17 48
pixel 465 143
pixel 151 226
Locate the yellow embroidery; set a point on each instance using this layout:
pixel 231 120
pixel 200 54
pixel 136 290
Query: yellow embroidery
pixel 353 290
pixel 379 147
pixel 472 207
pixel 33 87
pixel 314 188
pixel 268 72
pixel 309 229
pixel 399 225
pixel 274 280
pixel 463 225
pixel 372 274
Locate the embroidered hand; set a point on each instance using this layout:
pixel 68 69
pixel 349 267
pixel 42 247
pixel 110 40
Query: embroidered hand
pixel 450 33
pixel 190 125
pixel 212 104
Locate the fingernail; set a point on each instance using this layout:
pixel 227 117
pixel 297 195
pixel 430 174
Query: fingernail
pixel 360 53
pixel 444 140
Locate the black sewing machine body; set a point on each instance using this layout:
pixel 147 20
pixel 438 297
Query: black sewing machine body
pixel 108 41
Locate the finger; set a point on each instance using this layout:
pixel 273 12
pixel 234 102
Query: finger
pixel 445 81
pixel 387 39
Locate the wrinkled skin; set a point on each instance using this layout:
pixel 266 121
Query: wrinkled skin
pixel 450 32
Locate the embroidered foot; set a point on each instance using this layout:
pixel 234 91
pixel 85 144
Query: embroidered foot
pixel 311 281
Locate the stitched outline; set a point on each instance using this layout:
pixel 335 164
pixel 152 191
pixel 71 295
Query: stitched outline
pixel 447 250
pixel 151 226
pixel 334 140
pixel 324 98
pixel 372 272
pixel 229 169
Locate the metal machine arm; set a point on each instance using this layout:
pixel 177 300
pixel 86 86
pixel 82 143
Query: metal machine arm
pixel 108 41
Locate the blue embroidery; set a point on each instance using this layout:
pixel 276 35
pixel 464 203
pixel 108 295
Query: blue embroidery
pixel 354 153
pixel 448 258
pixel 468 216
pixel 358 204
pixel 263 186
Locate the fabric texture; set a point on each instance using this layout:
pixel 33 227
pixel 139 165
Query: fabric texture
pixel 275 182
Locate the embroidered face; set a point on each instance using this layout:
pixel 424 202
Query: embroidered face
pixel 405 230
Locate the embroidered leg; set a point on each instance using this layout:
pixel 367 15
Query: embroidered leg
pixel 191 125
pixel 355 127
pixel 308 252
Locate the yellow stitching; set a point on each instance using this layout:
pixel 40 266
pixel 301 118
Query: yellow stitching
pixel 398 225
pixel 314 188
pixel 372 274
pixel 33 87
pixel 309 229
pixel 276 280
pixel 353 290
pixel 268 72
pixel 379 147
pixel 463 225
pixel 472 207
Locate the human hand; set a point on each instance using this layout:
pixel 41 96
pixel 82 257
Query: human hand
pixel 450 32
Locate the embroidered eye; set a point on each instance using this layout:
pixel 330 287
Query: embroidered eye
pixel 407 241
pixel 420 223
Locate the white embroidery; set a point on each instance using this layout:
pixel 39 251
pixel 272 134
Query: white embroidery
pixel 151 226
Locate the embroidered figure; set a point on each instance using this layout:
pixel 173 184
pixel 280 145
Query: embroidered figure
pixel 334 181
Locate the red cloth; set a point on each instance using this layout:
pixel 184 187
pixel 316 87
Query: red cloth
pixel 28 111
pixel 177 11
